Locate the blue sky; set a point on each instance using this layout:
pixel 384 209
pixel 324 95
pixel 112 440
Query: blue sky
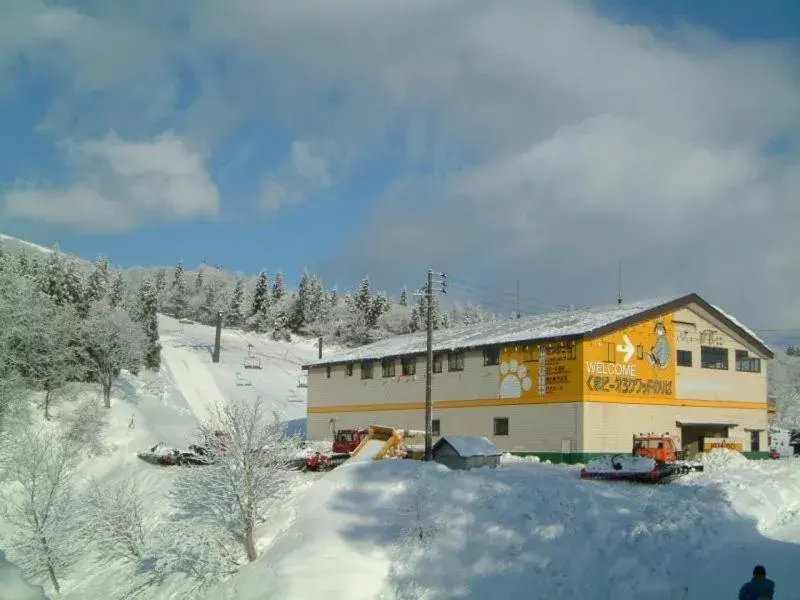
pixel 539 142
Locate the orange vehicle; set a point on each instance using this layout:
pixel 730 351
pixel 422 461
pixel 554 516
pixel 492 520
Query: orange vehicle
pixel 655 458
pixel 660 448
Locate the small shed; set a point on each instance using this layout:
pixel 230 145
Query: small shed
pixel 466 452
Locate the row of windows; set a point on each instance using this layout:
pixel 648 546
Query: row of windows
pixel 713 357
pixel 500 426
pixel 455 362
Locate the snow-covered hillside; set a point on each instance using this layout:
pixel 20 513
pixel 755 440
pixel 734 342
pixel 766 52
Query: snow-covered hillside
pixel 783 378
pixel 165 406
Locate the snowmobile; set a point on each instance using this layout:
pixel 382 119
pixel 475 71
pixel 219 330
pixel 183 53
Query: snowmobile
pixel 654 459
pixel 164 455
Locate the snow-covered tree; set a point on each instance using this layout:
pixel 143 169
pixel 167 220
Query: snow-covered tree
pixel 52 277
pixel 117 294
pixel 41 463
pixel 40 340
pixel 115 519
pixel 261 297
pixel 198 281
pixel 234 315
pixel 147 315
pixel 113 342
pixel 278 286
pixel 403 297
pixel 227 500
pixel 98 280
pixel 73 282
pixel 178 301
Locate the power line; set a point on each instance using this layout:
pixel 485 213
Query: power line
pixel 502 304
pixel 493 290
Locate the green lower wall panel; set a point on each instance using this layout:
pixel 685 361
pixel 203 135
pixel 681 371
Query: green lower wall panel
pixel 584 457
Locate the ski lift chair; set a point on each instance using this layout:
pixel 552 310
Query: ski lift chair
pixel 252 362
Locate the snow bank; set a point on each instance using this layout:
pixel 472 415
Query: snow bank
pixel 341 542
pixel 723 458
pixel 621 462
pixel 405 529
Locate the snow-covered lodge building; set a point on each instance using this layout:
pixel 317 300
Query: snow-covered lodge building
pixel 564 385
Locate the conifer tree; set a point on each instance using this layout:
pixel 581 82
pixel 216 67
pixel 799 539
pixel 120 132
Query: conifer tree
pixel 117 293
pixel 179 294
pixel 261 298
pixel 73 283
pixel 147 315
pixel 403 297
pixel 278 287
pixel 299 311
pixel 97 283
pixel 52 278
pixel 235 308
pixel 198 281
pixel 378 307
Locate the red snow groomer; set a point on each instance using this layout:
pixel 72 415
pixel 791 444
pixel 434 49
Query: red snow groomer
pixel 654 459
pixel 344 442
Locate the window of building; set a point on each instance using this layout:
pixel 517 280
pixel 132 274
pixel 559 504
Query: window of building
pixel 436 427
pixel 491 357
pixel 408 366
pixel 572 351
pixel 328 371
pixel 611 352
pixel 684 358
pixel 348 370
pixel 530 354
pixel 747 363
pixel 755 441
pixel 501 425
pixel 712 357
pixel 366 369
pixel 387 366
pixel 455 361
pixel 437 363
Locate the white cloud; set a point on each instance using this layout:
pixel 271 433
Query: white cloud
pixel 553 140
pixel 120 184
pixel 306 172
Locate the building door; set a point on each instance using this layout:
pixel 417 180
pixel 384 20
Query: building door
pixel 755 441
pixel 566 450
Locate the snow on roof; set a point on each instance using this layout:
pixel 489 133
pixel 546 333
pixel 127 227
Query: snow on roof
pixel 739 324
pixel 544 326
pixel 470 445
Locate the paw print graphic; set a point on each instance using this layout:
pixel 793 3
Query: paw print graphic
pixel 514 379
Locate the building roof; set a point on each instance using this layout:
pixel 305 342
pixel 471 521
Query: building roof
pixel 467 446
pixel 573 323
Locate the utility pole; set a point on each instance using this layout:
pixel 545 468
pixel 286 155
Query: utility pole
pixel 429 361
pixel 518 313
pixel 217 338
pixel 619 282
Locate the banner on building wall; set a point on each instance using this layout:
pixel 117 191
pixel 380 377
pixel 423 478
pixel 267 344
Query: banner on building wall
pixel 710 444
pixel 638 361
pixel 538 371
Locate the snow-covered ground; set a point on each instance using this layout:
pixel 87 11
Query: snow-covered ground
pixel 165 406
pixel 532 530
pixel 412 530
